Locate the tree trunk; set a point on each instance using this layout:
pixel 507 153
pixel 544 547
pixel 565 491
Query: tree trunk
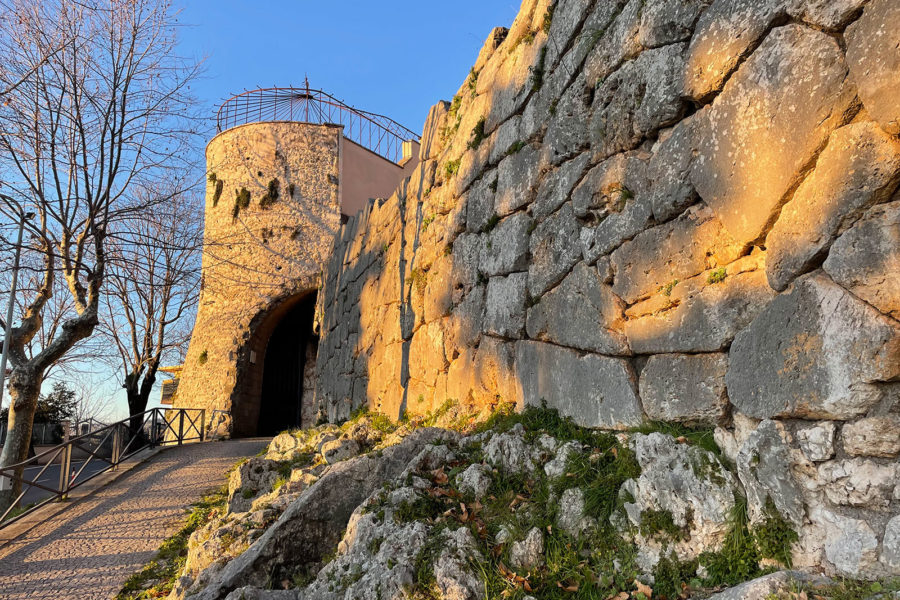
pixel 24 390
pixel 138 398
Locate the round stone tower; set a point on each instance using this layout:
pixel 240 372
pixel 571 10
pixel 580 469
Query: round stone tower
pixel 275 195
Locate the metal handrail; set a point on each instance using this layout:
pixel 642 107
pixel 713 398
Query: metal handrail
pixel 117 442
pixel 378 133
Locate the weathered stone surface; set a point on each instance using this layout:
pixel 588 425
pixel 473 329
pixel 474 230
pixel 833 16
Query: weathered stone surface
pixel 666 21
pixel 596 391
pixel 850 544
pixel 679 249
pixel 617 42
pixel 509 452
pixel 756 139
pixel 504 311
pixel 557 186
pixel 765 587
pixel 517 178
pixel 669 172
pixel 453 572
pixel 612 201
pixel 873 436
pixel 529 553
pixel 475 480
pixel 638 99
pixel 570 516
pixel 890 545
pixel 581 312
pixel 874 62
pixel 866 258
pixel 817 442
pixel 566 134
pixel 698 316
pixel 858 482
pixel 859 167
pixel 725 33
pixel 686 482
pixel 303 531
pixel 506 248
pixel 827 14
pixel 552 253
pixel 479 201
pixel 338 450
pixel 686 388
pixel 813 353
pixel 252 478
pixel 764 468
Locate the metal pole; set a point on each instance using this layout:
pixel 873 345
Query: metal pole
pixel 180 426
pixel 9 309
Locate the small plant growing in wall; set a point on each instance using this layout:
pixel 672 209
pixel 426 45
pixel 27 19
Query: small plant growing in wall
pixel 220 185
pixel 537 71
pixel 427 221
pixel 491 223
pixel 451 168
pixel 477 134
pixel 717 276
pixel 201 360
pixel 515 147
pixel 473 81
pixel 241 201
pixel 548 19
pixel 418 280
pixel 271 195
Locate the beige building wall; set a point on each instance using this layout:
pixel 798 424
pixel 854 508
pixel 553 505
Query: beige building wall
pixel 369 175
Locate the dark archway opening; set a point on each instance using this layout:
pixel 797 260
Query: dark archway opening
pixel 288 370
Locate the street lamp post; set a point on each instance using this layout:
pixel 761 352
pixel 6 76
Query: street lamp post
pixel 11 305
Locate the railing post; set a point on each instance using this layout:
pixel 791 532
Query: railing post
pixel 64 468
pixel 180 426
pixel 202 424
pixel 153 431
pixel 117 446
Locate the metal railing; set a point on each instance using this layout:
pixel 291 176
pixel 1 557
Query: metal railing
pixel 60 469
pixel 378 133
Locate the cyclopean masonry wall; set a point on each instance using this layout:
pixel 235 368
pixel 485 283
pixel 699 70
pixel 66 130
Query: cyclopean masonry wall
pixel 263 253
pixel 648 210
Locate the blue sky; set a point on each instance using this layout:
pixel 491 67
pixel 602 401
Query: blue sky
pixel 396 58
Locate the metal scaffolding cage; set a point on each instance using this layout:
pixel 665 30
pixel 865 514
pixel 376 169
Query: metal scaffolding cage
pixel 378 133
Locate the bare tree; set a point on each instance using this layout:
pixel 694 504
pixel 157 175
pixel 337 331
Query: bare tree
pixel 99 107
pixel 153 283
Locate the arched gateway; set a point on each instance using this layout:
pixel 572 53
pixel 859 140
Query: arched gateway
pixel 285 167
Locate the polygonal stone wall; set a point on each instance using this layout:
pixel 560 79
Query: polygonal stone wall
pixel 652 210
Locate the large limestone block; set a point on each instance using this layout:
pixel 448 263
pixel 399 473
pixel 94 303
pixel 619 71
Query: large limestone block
pixel 814 352
pixel 517 180
pixel 858 482
pixel 463 326
pixel 827 14
pixel 866 258
pixel 581 312
pixel 875 63
pixel 612 201
pixel 596 391
pixel 556 186
pixel 680 249
pixel 873 436
pixel 687 388
pixel 701 317
pixel 859 167
pixel 669 171
pixel 618 40
pixel 766 125
pixel 764 468
pixel 479 202
pixel 566 133
pixel 432 140
pixel 506 247
pixel 504 311
pixel 638 99
pixel 725 33
pixel 667 21
pixel 850 545
pixel 554 250
pixel 890 552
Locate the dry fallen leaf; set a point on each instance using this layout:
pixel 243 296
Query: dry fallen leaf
pixel 646 590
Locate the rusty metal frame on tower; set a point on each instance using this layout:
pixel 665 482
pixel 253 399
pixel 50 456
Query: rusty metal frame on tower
pixel 377 133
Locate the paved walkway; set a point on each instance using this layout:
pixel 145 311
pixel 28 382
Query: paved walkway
pixel 92 547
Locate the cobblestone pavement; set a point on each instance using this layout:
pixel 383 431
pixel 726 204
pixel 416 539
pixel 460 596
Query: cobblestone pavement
pixel 90 549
